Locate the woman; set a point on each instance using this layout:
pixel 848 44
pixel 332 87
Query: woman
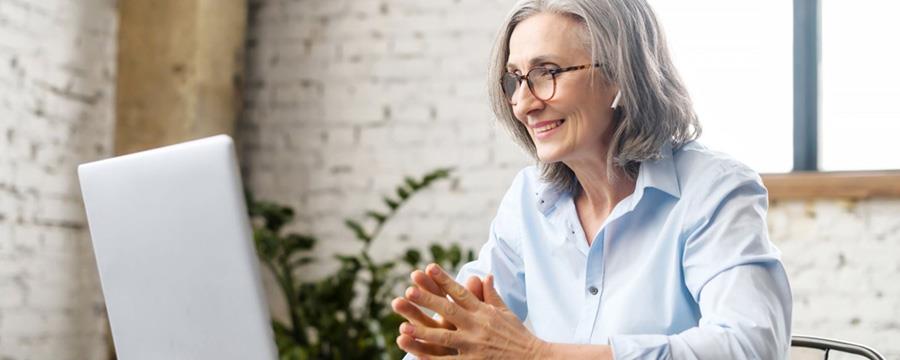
pixel 629 240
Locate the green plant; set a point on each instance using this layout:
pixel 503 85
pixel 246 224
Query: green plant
pixel 346 315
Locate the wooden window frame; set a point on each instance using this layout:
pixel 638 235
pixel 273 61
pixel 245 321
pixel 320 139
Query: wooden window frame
pixel 854 185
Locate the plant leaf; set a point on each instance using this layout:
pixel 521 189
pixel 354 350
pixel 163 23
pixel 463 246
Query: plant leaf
pixel 454 256
pixel 268 245
pixel 402 193
pixel 358 230
pixel 379 217
pixel 302 261
pixel 412 183
pixel 297 242
pixel 391 203
pixel 412 257
pixel 435 175
pixel 437 253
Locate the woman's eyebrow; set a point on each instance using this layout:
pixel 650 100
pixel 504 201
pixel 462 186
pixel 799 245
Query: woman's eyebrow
pixel 537 60
pixel 543 59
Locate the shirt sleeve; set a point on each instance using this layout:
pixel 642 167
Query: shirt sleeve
pixel 736 277
pixel 499 258
pixel 501 255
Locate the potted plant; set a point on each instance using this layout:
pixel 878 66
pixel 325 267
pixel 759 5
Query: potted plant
pixel 347 314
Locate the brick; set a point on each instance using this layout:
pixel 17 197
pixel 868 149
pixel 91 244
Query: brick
pixel 13 296
pixel 413 112
pixel 357 113
pixel 477 130
pixel 403 69
pixel 374 136
pixel 56 211
pixel 363 49
pixel 408 46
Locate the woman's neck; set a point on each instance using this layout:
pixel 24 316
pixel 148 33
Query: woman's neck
pixel 599 192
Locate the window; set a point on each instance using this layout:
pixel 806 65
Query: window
pixel 738 73
pixel 751 68
pixel 860 85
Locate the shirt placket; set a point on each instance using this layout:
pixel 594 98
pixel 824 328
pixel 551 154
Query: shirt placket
pixel 593 290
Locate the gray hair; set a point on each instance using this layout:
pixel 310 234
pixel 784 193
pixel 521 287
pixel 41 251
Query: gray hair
pixel 624 36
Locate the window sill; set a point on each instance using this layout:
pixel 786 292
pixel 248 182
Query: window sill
pixel 854 185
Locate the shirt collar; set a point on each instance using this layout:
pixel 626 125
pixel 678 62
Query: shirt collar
pixel 659 174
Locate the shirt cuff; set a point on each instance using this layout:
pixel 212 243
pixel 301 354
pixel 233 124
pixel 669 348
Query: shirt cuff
pixel 643 347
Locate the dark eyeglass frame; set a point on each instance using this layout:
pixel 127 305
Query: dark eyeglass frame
pixel 528 76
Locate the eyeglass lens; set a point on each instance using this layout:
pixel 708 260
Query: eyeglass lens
pixel 540 83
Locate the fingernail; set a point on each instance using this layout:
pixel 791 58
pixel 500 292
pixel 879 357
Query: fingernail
pixel 434 269
pixel 407 328
pixel 412 293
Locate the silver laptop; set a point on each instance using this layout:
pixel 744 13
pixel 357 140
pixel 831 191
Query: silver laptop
pixel 174 248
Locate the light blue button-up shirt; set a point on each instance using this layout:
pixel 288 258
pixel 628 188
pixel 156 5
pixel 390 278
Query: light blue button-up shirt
pixel 681 269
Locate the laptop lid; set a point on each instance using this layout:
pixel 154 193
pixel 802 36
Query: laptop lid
pixel 173 245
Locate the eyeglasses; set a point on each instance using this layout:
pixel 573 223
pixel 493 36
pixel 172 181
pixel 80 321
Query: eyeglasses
pixel 541 81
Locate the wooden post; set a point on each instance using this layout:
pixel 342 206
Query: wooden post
pixel 180 65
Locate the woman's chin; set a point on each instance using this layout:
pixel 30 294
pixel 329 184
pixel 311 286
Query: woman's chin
pixel 548 156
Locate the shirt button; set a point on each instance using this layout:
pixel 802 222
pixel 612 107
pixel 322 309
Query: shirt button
pixel 593 290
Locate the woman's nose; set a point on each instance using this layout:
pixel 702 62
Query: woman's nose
pixel 524 101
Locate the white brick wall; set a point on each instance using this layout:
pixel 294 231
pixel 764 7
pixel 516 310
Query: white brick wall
pixel 842 261
pixel 344 98
pixel 57 61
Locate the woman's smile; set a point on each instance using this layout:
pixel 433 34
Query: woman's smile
pixel 544 129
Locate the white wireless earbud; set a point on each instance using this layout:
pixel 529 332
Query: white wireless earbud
pixel 615 103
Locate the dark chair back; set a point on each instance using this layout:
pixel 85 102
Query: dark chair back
pixel 829 346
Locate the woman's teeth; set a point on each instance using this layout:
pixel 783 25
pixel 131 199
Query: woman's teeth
pixel 550 126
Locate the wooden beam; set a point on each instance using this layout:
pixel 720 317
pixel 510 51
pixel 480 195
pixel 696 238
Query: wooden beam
pixel 179 68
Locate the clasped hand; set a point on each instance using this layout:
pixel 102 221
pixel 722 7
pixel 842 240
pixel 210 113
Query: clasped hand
pixel 475 324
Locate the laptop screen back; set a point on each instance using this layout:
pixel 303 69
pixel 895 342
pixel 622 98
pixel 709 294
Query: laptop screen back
pixel 174 250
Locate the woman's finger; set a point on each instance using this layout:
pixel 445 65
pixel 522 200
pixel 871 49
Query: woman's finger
pixel 423 281
pixel 413 313
pixel 421 349
pixel 457 292
pixel 474 284
pixel 490 293
pixel 442 337
pixel 476 287
pixel 448 310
